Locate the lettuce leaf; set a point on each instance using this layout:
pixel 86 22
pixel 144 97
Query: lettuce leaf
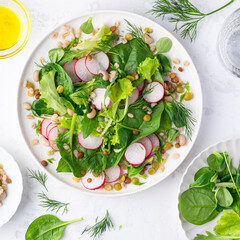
pixel 228 227
pixel 65 122
pixel 148 67
pixel 94 43
pixel 49 94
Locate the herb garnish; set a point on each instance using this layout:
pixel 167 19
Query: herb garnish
pixel 183 12
pixel 39 176
pixel 51 160
pixel 100 227
pixel 52 205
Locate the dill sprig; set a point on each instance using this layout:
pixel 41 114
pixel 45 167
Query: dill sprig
pixel 52 205
pixel 137 32
pixel 100 227
pixel 184 14
pixel 184 115
pixel 39 176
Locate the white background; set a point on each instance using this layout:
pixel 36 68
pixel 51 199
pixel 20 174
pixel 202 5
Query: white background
pixel 151 214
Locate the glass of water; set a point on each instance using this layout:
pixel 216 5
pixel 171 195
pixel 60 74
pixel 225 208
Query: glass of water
pixel 229 43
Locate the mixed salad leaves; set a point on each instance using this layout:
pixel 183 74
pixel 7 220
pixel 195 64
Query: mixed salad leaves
pixel 102 102
pixel 215 189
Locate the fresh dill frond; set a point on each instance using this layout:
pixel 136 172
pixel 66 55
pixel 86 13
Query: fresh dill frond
pixel 137 32
pixel 39 176
pixel 184 14
pixel 52 205
pixel 107 42
pixel 183 115
pixel 100 227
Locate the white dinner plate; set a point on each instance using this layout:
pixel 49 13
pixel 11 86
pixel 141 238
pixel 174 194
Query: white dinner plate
pixel 14 191
pixel 231 147
pixel 109 18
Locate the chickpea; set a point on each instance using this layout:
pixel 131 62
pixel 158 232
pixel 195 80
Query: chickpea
pixel 167 146
pixel 108 187
pixel 147 118
pixel 188 96
pixel 151 171
pixel 179 89
pixel 128 36
pixel 117 186
pixel 135 180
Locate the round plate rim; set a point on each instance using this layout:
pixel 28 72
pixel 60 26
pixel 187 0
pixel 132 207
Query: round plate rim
pixel 197 128
pixel 192 163
pixel 12 159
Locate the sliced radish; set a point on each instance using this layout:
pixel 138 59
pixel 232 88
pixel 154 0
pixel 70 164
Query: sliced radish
pixel 112 174
pixel 43 127
pixel 90 142
pixel 49 128
pixel 70 69
pixel 140 86
pixel 52 136
pixel 147 144
pixel 98 61
pixel 94 183
pixel 135 95
pixel 155 141
pixel 98 99
pixel 135 153
pixel 156 94
pixel 81 70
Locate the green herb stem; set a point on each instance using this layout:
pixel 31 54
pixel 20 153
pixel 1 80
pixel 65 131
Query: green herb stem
pixel 219 9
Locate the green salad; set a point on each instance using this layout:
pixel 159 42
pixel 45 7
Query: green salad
pixel 111 105
pixel 215 190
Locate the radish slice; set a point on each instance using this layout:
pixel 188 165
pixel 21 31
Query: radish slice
pixel 70 69
pixel 95 183
pixel 135 95
pixel 43 127
pixel 156 94
pixel 135 153
pixel 81 70
pixel 155 141
pixel 90 142
pixel 99 61
pixel 52 136
pixel 50 127
pixel 112 174
pixel 147 144
pixel 98 100
pixel 140 86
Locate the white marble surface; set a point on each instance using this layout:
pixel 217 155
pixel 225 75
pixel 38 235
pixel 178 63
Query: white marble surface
pixel 151 214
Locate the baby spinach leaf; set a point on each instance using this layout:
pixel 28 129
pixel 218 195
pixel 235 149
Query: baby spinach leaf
pixel 163 45
pixel 88 125
pixel 201 171
pixel 165 123
pixel 47 227
pixel 238 176
pixel 87 26
pixel 224 197
pixel 198 205
pixel 63 166
pixel 62 77
pixel 205 180
pixel 129 55
pixel 216 162
pixel 172 134
pixel 164 63
pixel 56 54
pixel 39 107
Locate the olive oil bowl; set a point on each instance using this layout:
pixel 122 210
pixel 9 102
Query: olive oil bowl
pixel 15 27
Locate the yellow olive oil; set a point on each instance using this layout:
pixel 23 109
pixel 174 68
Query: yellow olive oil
pixel 10 28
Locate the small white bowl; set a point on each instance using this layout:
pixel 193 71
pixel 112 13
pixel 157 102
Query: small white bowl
pixel 14 190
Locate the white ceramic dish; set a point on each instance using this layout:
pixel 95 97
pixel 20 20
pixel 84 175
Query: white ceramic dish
pixel 232 148
pixel 14 191
pixel 109 18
